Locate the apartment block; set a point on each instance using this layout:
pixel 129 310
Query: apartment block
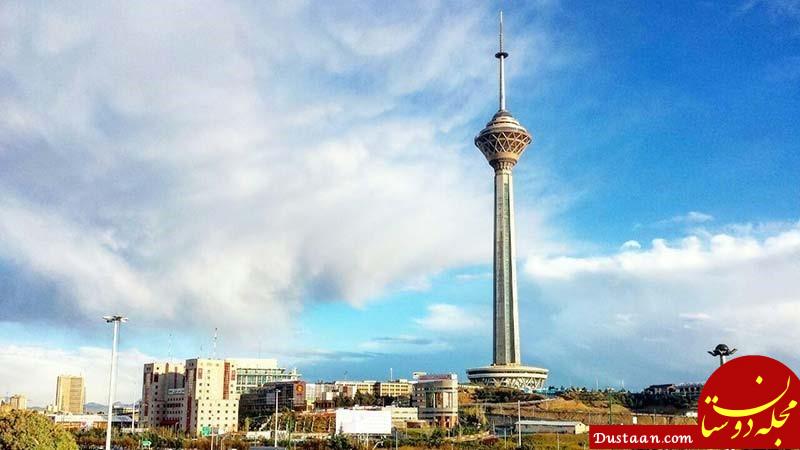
pixel 70 394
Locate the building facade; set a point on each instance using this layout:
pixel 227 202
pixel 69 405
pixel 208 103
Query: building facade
pixel 70 394
pixel 203 394
pixel 254 373
pixel 436 399
pixel 162 394
pixel 351 388
pixel 398 388
pixel 260 402
pixel 210 397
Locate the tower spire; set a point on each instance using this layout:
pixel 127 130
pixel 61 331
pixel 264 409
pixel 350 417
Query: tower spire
pixel 501 55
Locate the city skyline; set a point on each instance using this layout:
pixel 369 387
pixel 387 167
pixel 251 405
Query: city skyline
pixel 303 178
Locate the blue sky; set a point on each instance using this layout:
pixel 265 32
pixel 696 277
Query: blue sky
pixel 302 178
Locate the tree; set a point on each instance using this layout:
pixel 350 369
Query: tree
pixel 339 442
pixel 246 425
pixel 28 430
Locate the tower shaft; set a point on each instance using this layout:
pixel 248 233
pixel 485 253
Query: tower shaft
pixel 506 316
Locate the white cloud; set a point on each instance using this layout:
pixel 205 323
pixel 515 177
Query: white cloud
pixel 690 218
pixel 216 163
pixel 672 298
pixel 630 245
pixel 447 318
pixel 32 371
pixel 403 344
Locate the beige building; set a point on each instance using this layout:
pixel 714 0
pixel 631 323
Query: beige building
pixel 350 388
pixel 402 415
pixel 70 394
pixel 436 398
pixel 203 394
pixel 210 397
pixel 398 388
pixel 16 401
pixel 162 394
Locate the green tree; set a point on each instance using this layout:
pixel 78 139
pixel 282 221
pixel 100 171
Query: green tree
pixel 339 442
pixel 28 430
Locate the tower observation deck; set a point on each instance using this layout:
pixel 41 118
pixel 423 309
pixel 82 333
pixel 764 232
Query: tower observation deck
pixel 502 142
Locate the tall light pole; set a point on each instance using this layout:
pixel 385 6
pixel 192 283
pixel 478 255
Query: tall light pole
pixel 116 320
pixel 723 352
pixel 275 438
pixel 519 424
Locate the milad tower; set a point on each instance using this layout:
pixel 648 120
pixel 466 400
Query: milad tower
pixel 502 142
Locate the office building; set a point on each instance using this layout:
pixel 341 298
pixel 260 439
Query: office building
pixel 259 402
pixel 162 394
pixel 351 388
pixel 210 395
pixel 436 399
pixel 203 394
pixel 397 388
pixel 402 415
pixel 252 373
pixel 70 394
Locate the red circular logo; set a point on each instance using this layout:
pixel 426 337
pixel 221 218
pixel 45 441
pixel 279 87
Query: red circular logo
pixel 750 402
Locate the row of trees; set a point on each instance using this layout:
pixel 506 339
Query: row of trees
pixel 27 430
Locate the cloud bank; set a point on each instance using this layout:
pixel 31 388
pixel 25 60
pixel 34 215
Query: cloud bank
pixel 221 163
pixel 637 307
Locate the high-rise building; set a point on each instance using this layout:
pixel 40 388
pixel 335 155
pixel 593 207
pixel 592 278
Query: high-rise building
pixel 436 399
pixel 70 394
pixel 211 400
pixel 502 142
pixel 162 394
pixel 203 394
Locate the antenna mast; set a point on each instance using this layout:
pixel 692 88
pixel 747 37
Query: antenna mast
pixel 215 343
pixel 502 55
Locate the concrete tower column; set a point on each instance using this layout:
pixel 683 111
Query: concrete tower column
pixel 506 316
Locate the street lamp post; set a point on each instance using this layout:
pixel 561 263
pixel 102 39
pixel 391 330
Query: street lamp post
pixel 275 438
pixel 519 424
pixel 723 352
pixel 116 320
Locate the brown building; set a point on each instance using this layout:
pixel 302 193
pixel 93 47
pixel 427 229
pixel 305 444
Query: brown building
pixel 162 394
pixel 436 398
